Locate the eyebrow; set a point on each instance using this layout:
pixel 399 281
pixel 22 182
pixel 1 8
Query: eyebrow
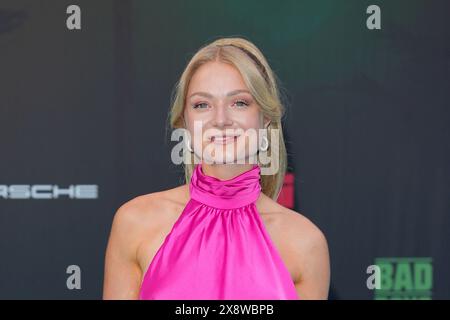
pixel 229 94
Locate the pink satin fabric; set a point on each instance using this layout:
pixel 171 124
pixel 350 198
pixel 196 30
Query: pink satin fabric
pixel 218 248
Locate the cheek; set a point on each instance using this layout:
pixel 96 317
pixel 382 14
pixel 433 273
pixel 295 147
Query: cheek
pixel 250 122
pixel 191 119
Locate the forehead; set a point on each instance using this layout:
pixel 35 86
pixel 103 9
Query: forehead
pixel 217 78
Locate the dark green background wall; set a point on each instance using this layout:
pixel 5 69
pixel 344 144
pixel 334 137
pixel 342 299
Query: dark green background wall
pixel 367 124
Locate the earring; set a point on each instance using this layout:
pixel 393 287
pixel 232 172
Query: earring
pixel 266 144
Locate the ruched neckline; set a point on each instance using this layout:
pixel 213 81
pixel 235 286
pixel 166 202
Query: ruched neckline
pixel 236 192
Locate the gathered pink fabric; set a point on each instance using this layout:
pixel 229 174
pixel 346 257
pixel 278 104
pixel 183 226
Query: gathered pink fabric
pixel 218 248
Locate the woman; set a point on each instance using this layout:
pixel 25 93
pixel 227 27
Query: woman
pixel 222 235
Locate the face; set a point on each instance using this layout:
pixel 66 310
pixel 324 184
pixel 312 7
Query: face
pixel 221 115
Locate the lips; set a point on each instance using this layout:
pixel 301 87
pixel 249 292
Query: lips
pixel 223 139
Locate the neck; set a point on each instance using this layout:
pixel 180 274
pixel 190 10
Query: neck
pixel 225 171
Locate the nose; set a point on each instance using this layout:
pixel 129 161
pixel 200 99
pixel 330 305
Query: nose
pixel 221 116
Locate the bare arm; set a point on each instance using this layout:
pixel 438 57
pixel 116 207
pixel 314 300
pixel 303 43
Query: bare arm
pixel 122 273
pixel 310 253
pixel 314 281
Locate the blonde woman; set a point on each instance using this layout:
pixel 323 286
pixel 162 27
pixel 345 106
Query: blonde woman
pixel 221 235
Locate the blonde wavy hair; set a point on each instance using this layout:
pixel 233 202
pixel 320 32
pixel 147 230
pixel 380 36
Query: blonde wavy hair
pixel 261 82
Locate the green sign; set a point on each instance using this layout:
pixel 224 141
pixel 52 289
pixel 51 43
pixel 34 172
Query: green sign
pixel 405 278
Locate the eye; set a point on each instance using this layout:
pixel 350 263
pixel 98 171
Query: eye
pixel 199 105
pixel 241 103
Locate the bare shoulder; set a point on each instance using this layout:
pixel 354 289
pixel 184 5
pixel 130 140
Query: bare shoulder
pixel 149 213
pixel 307 251
pixel 150 210
pixel 301 230
pixel 309 248
pixel 296 227
pixel 138 219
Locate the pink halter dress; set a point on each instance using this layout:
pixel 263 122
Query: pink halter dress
pixel 218 248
